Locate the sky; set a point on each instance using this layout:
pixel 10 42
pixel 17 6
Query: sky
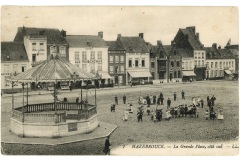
pixel 214 24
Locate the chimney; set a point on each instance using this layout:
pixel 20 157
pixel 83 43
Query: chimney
pixel 23 30
pixel 214 45
pixel 219 47
pixel 100 34
pixel 197 35
pixel 191 28
pixel 119 35
pixel 141 35
pixel 63 33
pixel 159 42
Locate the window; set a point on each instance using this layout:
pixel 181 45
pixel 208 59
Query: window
pixel 178 64
pixel 223 64
pixel 6 69
pixel 152 65
pixel 203 55
pixel 34 46
pixel 195 63
pixel 122 59
pixel 84 67
pixel 195 55
pixel 216 64
pixel 183 65
pixel 190 65
pixel 199 55
pixel 175 74
pixel 136 62
pixel 77 60
pixel 220 73
pixel 41 47
pixel 143 62
pixel 23 68
pixel 92 68
pixel 232 65
pixel 202 62
pixel 120 79
pixel 111 59
pixel 211 64
pixel 130 63
pixel 92 56
pixel 122 69
pixel 111 69
pixel 172 64
pixel 99 55
pixel 199 63
pixel 34 59
pixel 84 56
pixel 116 59
pixel 116 69
pixel 216 73
pixel 226 64
pixel 186 65
pixel 179 74
pixel 99 66
pixel 220 64
pixel 63 51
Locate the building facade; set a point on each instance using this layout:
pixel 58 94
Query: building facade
pixel 116 62
pixel 14 60
pixel 188 39
pixel 42 42
pixel 220 63
pixel 137 59
pixel 90 53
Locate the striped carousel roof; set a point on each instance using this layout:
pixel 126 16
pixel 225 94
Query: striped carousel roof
pixel 51 70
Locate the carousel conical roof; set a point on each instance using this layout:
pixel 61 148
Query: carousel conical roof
pixel 51 70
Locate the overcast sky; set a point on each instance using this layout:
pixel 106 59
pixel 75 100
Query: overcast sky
pixel 214 24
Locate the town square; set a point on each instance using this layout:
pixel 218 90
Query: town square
pixel 107 90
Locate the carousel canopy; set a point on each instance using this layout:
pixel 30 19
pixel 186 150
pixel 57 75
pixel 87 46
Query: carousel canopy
pixel 53 69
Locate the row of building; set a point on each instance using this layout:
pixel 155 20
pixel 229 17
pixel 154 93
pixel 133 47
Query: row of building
pixel 125 61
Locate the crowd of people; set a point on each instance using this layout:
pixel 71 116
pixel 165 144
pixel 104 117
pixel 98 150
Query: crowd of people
pixel 182 110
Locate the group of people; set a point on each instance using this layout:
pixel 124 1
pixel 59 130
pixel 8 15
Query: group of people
pixel 210 113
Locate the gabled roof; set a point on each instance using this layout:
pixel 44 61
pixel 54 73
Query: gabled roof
pixel 78 41
pixel 235 52
pixel 13 51
pixel 185 52
pixel 214 53
pixel 192 38
pixel 133 44
pixel 156 51
pixel 114 46
pixel 53 35
pixel 167 49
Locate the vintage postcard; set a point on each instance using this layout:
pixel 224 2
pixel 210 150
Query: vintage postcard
pixel 120 80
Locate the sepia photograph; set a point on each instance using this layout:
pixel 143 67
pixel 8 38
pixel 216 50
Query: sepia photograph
pixel 120 80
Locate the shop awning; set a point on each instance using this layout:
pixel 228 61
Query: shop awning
pixel 228 72
pixel 138 74
pixel 104 75
pixel 188 73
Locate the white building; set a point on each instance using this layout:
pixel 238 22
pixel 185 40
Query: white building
pixel 90 53
pixel 220 63
pixel 14 60
pixel 137 59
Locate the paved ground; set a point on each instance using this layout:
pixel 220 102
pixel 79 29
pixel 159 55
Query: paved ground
pixel 176 130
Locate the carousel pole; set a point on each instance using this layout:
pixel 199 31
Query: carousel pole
pixel 27 96
pixel 12 98
pixel 23 103
pixel 81 93
pixel 95 94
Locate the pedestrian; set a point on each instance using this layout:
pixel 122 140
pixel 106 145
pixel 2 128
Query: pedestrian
pixel 154 99
pixel 77 100
pixel 209 104
pixel 124 99
pixel 139 114
pixel 158 100
pixel 213 99
pixel 161 98
pixel 116 100
pixel 148 100
pixel 107 145
pixel 183 95
pixel 208 98
pixel 168 103
pixel 70 86
pixel 175 96
pixel 201 103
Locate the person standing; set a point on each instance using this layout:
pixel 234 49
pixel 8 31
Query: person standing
pixel 208 98
pixel 168 103
pixel 154 99
pixel 77 100
pixel 124 99
pixel 107 145
pixel 116 100
pixel 175 96
pixel 161 98
pixel 148 100
pixel 213 99
pixel 183 95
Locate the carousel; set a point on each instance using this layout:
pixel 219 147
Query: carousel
pixel 59 118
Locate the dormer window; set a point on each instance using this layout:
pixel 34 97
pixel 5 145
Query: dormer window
pixel 34 46
pixel 88 44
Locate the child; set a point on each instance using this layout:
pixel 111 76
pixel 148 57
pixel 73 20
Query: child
pixel 206 115
pixel 212 115
pixel 168 115
pixel 220 114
